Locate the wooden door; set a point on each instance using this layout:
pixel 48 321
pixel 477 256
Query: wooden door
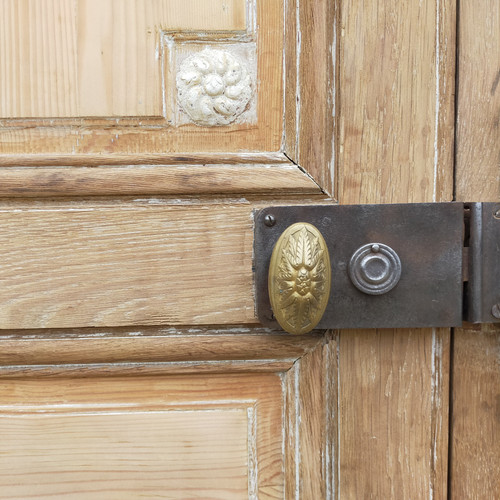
pixel 137 138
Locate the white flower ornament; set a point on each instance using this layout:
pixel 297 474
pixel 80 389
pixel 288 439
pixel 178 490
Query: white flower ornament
pixel 213 87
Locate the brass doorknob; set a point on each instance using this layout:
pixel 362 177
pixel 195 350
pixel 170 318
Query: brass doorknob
pixel 299 278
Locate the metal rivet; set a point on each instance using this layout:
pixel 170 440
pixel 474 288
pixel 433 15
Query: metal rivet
pixel 269 220
pixel 496 214
pixel 495 310
pixel 375 268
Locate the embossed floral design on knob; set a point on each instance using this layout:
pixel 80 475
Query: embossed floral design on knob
pixel 213 87
pixel 299 278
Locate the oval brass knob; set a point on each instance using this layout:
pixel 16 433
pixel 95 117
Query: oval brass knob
pixel 299 278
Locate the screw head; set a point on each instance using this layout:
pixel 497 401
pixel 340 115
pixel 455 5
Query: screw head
pixel 495 310
pixel 269 220
pixel 496 213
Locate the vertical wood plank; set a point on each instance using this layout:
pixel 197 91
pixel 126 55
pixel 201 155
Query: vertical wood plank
pixel 475 428
pixel 310 82
pixel 478 101
pixel 396 101
pixel 311 432
pixel 393 413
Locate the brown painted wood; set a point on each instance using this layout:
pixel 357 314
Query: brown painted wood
pixel 475 427
pixel 395 144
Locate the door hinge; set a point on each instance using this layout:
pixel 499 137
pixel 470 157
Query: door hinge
pixel 377 266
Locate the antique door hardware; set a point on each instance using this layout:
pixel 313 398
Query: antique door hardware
pixel 390 266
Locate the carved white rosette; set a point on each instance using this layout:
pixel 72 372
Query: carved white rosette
pixel 213 87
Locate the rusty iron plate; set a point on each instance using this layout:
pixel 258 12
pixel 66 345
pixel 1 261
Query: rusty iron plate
pixel 483 288
pixel 427 238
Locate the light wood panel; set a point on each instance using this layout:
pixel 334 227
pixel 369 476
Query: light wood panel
pixel 111 133
pixel 395 144
pixel 475 429
pixel 63 58
pixel 150 262
pixel 217 437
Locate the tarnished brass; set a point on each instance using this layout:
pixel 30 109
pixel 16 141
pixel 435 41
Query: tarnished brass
pixel 299 278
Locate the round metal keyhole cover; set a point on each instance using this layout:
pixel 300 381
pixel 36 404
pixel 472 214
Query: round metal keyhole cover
pixel 375 268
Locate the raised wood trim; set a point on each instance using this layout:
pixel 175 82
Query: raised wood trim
pixel 310 88
pixel 95 160
pixel 149 345
pixel 134 180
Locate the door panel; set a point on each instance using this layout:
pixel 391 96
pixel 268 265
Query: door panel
pixel 185 436
pixel 105 76
pixel 94 57
pixel 130 221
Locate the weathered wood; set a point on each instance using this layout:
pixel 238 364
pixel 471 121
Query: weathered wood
pixel 104 264
pixel 154 180
pixel 311 424
pixel 115 263
pixel 196 436
pixel 478 101
pixel 96 160
pixel 475 428
pixel 123 78
pixel 396 100
pixel 395 144
pixel 393 413
pixel 310 117
pixel 153 345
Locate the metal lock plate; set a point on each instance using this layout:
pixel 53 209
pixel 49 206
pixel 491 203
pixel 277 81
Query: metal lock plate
pixel 482 291
pixel 366 244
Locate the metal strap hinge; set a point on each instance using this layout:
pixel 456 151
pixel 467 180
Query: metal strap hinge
pixel 377 266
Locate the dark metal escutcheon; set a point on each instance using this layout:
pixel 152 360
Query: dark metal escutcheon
pixel 427 238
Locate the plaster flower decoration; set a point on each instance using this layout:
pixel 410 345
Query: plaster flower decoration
pixel 213 87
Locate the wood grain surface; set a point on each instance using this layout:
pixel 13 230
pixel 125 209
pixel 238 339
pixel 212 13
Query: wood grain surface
pixel 195 437
pixel 396 96
pixel 310 83
pixel 122 77
pixel 395 144
pixel 137 263
pixel 146 180
pixel 475 429
pixel 64 58
pixel 311 424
